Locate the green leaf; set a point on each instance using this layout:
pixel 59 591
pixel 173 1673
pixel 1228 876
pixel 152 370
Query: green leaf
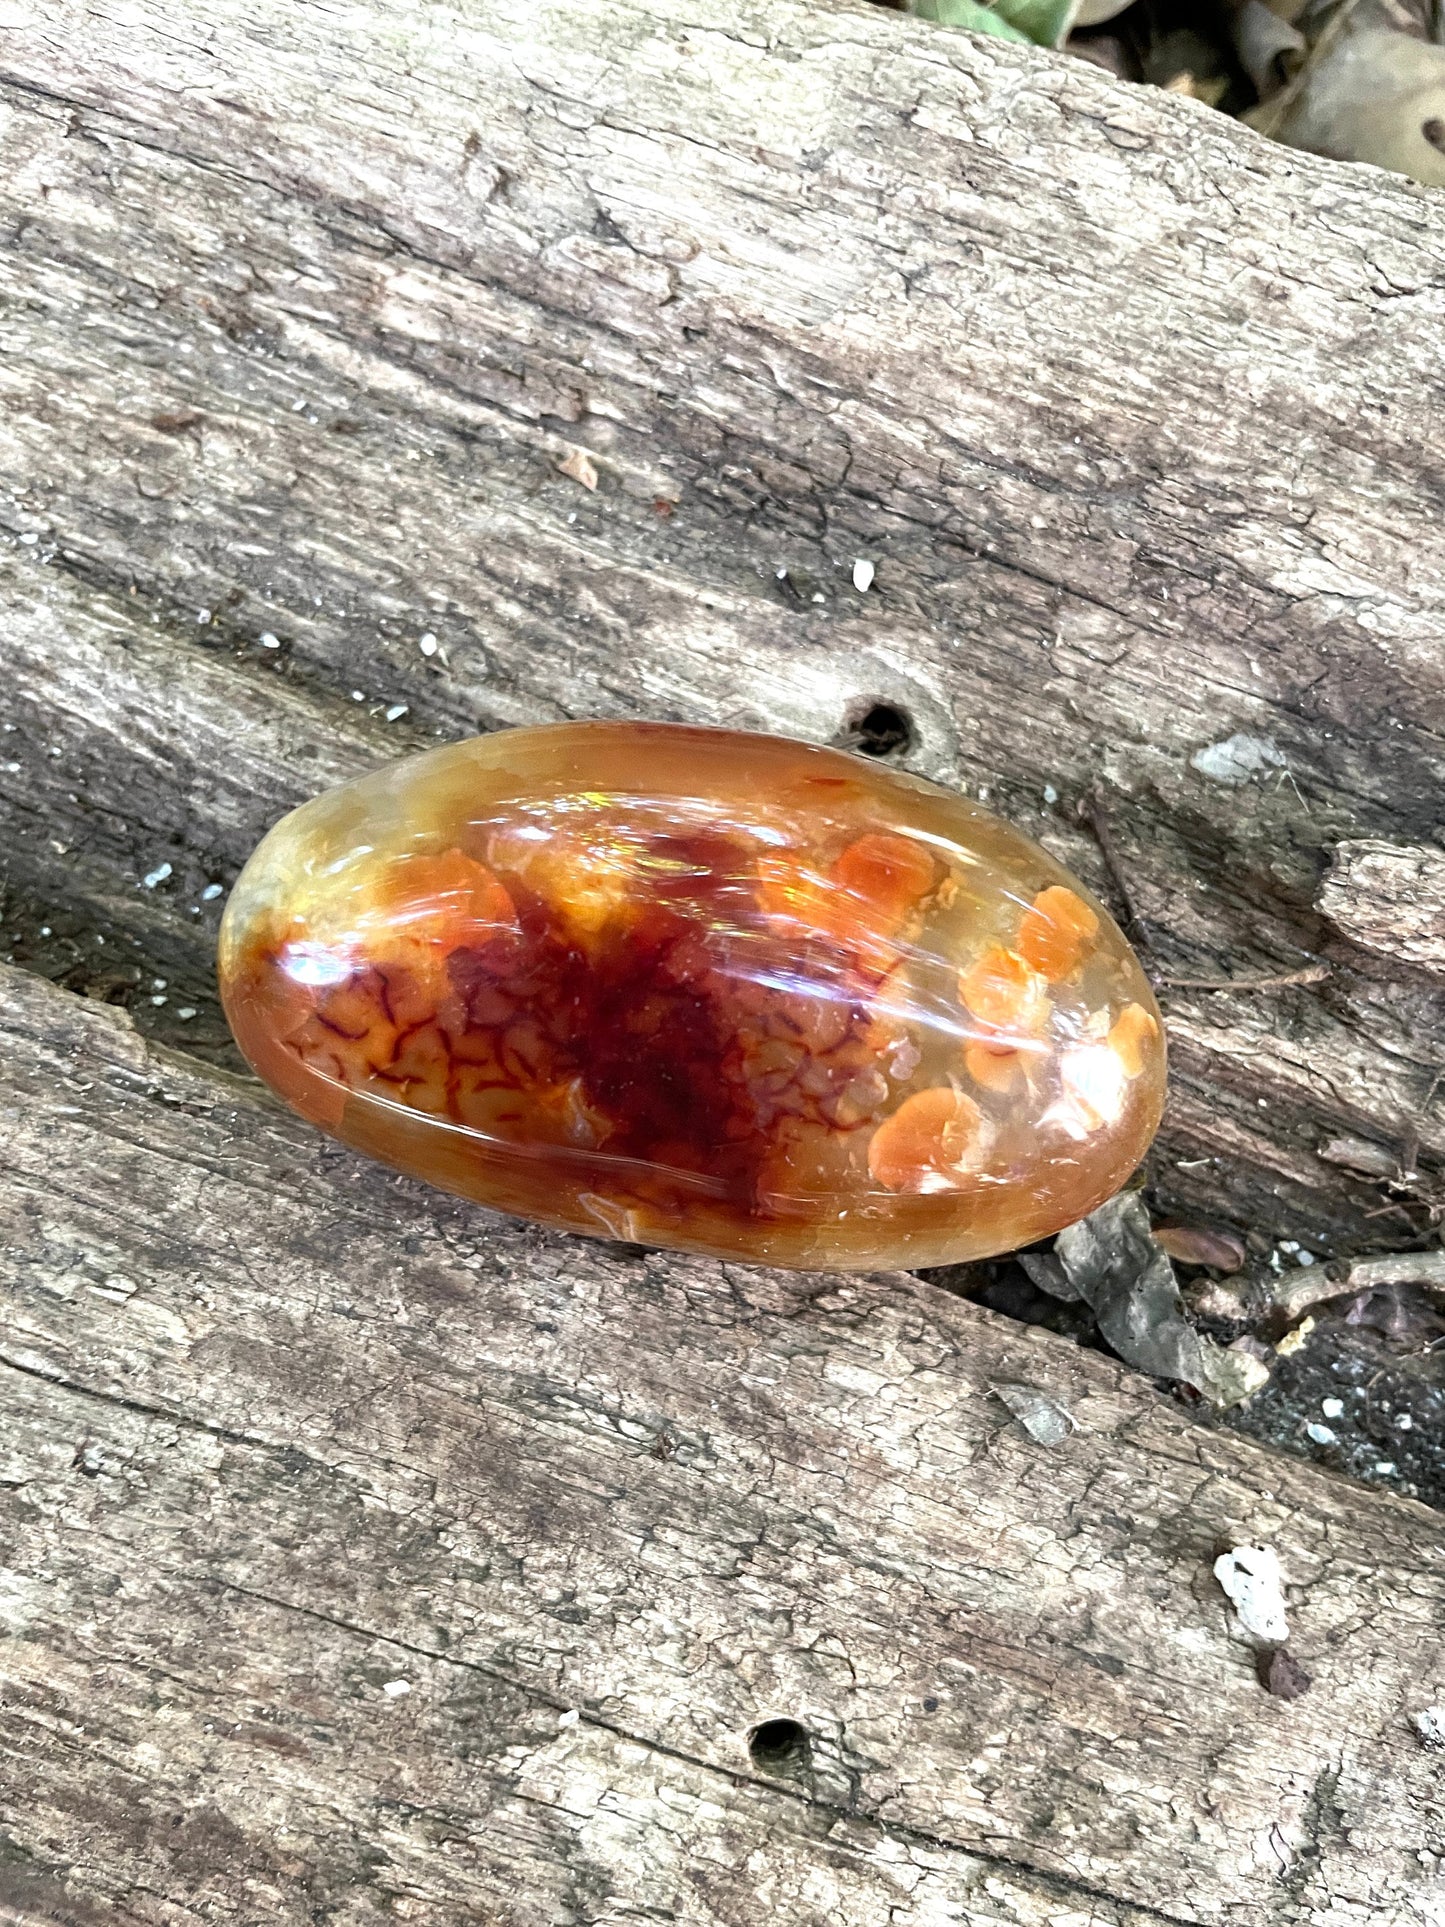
pixel 967 14
pixel 1046 22
pixel 1043 23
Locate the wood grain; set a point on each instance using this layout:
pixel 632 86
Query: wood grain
pixel 302 312
pixel 1390 900
pixel 282 1430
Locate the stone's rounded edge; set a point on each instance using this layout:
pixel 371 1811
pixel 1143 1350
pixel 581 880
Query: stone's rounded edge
pixel 930 1218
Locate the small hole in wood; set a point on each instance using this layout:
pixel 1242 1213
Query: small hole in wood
pixel 778 1746
pixel 880 729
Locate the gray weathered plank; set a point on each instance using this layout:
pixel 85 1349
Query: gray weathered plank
pixel 302 310
pixel 281 1429
pixel 299 311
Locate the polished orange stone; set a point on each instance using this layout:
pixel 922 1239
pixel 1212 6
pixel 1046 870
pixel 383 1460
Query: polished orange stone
pixel 687 987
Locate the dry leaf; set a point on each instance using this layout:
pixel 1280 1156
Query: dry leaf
pixel 1232 1373
pixel 1270 49
pixel 1374 96
pixel 580 466
pixel 1201 1244
pixel 1111 1259
pixel 1043 1418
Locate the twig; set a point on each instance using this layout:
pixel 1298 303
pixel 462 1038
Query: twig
pixel 1426 1268
pixel 1091 811
pixel 1312 974
pixel 1286 775
pixel 1409 1156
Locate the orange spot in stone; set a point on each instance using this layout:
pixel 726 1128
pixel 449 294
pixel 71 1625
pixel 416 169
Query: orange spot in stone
pixel 789 890
pixel 862 902
pixel 1004 992
pixel 930 1143
pixel 886 877
pixel 1057 933
pixel 1134 1030
pixel 992 1067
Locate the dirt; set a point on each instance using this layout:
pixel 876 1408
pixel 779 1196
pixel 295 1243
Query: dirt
pixel 1363 1393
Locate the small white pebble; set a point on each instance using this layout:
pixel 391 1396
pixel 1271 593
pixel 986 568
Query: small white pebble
pixel 186 1013
pixel 158 983
pixel 358 695
pixel 863 575
pixel 268 641
pixel 210 893
pixel 569 1719
pixel 395 1689
pixel 12 769
pixel 1404 1423
pixel 296 408
pixel 1305 1258
pixel 1319 1434
pixel 45 929
pixel 29 540
pixel 1333 1407
pixel 1051 795
pixel 203 615
pixel 1251 1579
pixel 781 574
pixel 1288 1244
pixel 1385 1469
pixel 428 644
pixel 396 712
pixel 819 597
pixel 158 1001
pixel 157 875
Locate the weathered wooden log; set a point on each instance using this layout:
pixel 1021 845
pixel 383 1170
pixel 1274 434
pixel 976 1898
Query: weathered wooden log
pixel 316 328
pixel 364 1550
pixel 1122 402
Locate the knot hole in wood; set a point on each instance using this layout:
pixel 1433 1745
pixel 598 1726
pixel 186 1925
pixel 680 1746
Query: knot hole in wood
pixel 779 1746
pixel 879 729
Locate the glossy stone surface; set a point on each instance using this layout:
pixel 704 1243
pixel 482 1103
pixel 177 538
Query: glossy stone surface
pixel 687 987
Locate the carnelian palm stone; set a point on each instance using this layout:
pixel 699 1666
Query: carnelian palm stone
pixel 687 987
